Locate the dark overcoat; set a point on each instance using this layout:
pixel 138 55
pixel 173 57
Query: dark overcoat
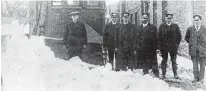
pixel 146 41
pixel 146 45
pixel 126 37
pixel 110 35
pixel 75 36
pixel 197 41
pixel 125 43
pixel 169 37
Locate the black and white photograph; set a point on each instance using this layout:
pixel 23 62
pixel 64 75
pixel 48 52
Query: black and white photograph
pixel 103 45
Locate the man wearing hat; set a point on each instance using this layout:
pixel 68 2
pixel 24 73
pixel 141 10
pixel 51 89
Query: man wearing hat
pixel 110 36
pixel 125 43
pixel 146 45
pixel 170 37
pixel 196 37
pixel 75 37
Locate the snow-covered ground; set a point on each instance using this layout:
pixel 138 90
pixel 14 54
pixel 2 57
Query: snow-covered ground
pixel 29 65
pixel 14 28
pixel 184 67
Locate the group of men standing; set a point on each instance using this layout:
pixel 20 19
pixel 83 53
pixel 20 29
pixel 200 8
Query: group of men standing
pixel 138 44
pixel 132 44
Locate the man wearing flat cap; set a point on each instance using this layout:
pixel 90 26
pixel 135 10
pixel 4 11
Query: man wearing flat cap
pixel 110 36
pixel 146 45
pixel 196 38
pixel 125 43
pixel 75 37
pixel 169 37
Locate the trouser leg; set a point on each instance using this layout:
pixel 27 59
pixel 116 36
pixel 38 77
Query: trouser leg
pixel 145 66
pixel 120 61
pixel 124 63
pixel 135 62
pixel 174 62
pixel 153 64
pixel 131 62
pixel 156 72
pixel 164 61
pixel 195 68
pixel 155 67
pixel 111 56
pixel 202 69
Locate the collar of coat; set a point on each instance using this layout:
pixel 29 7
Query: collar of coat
pixel 202 28
pixel 145 24
pixel 148 24
pixel 114 23
pixel 110 23
pixel 197 27
pixel 168 25
pixel 75 22
pixel 145 28
pixel 127 23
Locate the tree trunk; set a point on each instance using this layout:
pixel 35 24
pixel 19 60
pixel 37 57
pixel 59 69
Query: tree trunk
pixel 32 18
pixel 37 20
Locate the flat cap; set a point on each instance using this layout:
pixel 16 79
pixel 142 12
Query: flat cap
pixel 145 15
pixel 126 14
pixel 198 16
pixel 169 15
pixel 74 13
pixel 114 14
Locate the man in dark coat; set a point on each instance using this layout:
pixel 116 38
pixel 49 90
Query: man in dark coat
pixel 75 37
pixel 196 37
pixel 110 36
pixel 146 45
pixel 125 50
pixel 170 37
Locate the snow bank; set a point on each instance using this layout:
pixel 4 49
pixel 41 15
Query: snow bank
pixel 22 63
pixel 13 29
pixel 29 65
pixel 82 78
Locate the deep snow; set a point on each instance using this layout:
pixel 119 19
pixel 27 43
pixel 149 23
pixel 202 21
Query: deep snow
pixel 29 65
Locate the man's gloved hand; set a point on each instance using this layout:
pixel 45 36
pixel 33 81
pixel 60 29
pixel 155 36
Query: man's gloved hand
pixel 115 49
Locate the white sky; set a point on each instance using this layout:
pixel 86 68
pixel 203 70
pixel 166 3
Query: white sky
pixel 109 2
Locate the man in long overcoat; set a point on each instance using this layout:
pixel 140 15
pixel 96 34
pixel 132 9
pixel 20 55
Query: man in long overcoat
pixel 196 37
pixel 125 42
pixel 75 37
pixel 170 37
pixel 110 36
pixel 146 45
